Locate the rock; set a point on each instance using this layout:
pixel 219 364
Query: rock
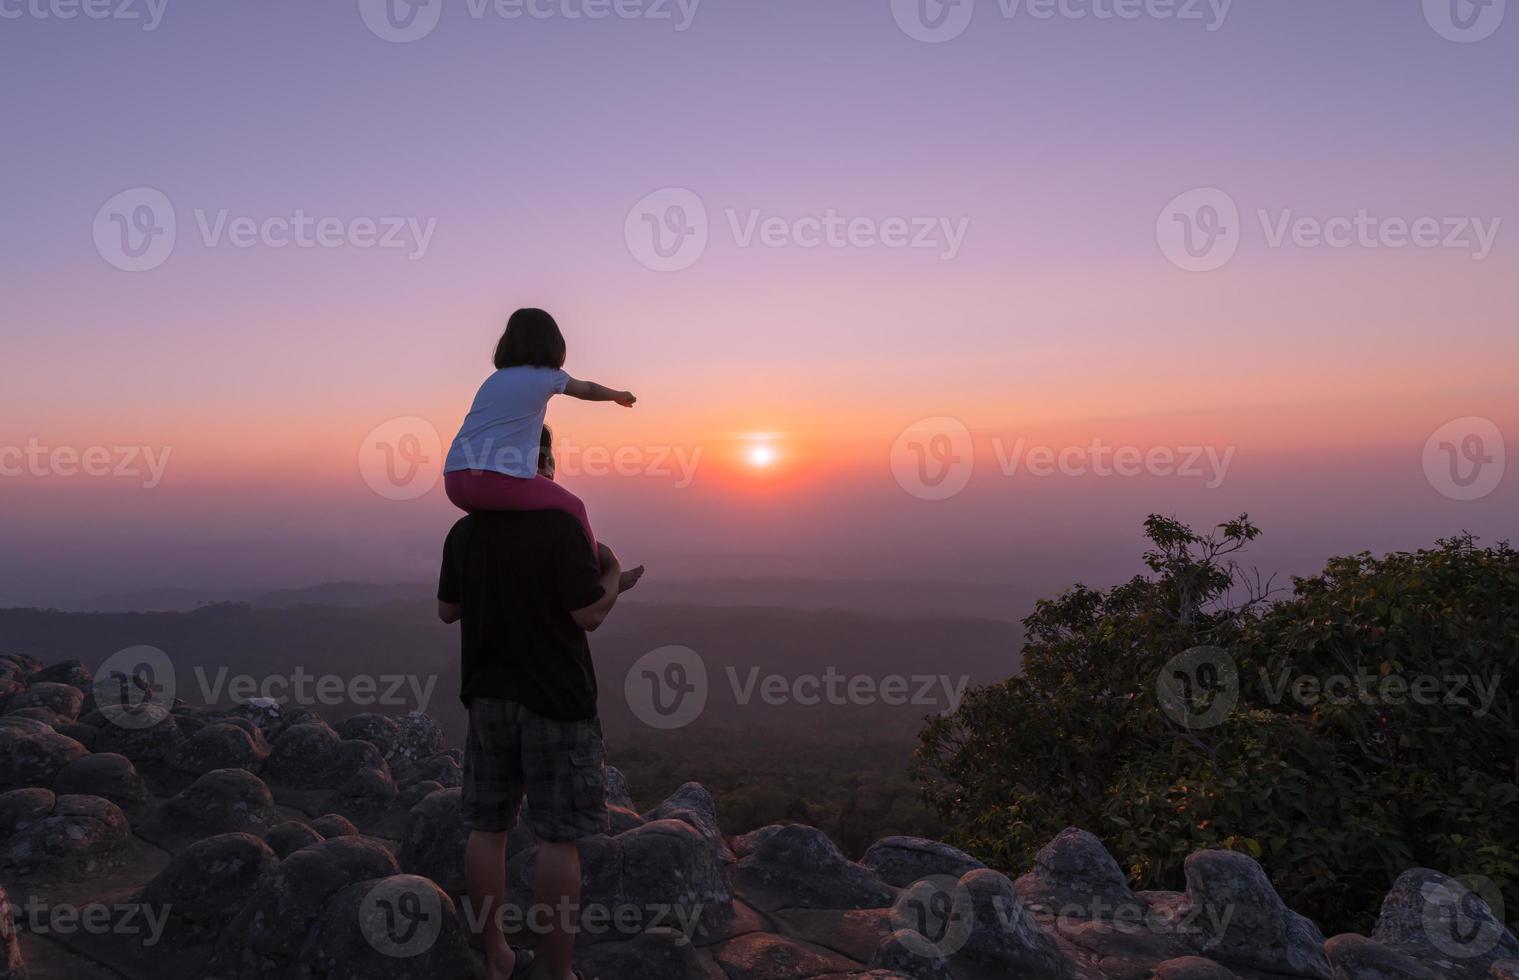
pixel 22 725
pixel 204 886
pixel 694 805
pixel 415 793
pixel 998 936
pixel 300 757
pixel 265 939
pixel 145 735
pixel 417 737
pixel 440 769
pixel 398 928
pixel 1075 876
pixel 650 956
pixel 217 746
pixel 375 729
pixel 31 757
pixel 61 699
pixel 366 794
pixel 85 735
pixel 60 835
pixel 909 953
pixel 290 837
pixel 900 861
pixel 1239 919
pixel 617 789
pixel 799 867
pixel 1353 957
pixel 265 714
pixel 103 774
pixel 1505 970
pixel 74 673
pixel 765 956
pixel 670 865
pixel 745 844
pixel 334 825
pixel 433 846
pixel 1192 968
pixel 222 801
pixel 20 664
pixel 1444 923
pixel 855 933
pixel 12 966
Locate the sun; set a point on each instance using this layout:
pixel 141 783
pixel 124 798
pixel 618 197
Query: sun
pixel 761 455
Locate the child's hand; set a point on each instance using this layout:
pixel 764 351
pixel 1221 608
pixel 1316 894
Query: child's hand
pixel 625 399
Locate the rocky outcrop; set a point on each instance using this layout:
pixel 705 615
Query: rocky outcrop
pixel 290 847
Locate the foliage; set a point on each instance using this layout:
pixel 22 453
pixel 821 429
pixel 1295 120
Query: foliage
pixel 1319 760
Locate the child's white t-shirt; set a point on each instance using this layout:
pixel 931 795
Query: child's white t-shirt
pixel 502 430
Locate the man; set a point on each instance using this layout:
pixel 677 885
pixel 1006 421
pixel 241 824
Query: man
pixel 528 589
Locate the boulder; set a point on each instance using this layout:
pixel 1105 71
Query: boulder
pixel 300 757
pixel 145 734
pixel 996 935
pixel 334 825
pixel 906 952
pixel 290 837
pixel 1074 876
pixel 264 941
pixel 1445 923
pixel 617 789
pixel 74 673
pixel 433 845
pixel 62 700
pixel 204 886
pixel 366 794
pixel 397 928
pixel 104 774
pixel 900 861
pixel 692 804
pixel 375 729
pixel 799 867
pixel 1353 957
pixel 34 757
pixel 1230 908
pixel 60 835
pixel 417 737
pixel 217 746
pixel 222 801
pixel 766 956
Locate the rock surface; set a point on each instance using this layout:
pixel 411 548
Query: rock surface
pixel 288 846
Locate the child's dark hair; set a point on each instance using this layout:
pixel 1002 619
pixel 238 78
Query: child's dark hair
pixel 532 339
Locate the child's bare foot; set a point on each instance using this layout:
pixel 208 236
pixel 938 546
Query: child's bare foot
pixel 629 579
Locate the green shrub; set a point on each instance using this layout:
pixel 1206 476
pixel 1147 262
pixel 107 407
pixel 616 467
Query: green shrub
pixel 1335 796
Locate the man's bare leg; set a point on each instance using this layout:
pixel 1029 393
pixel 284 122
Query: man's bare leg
pixel 485 879
pixel 556 889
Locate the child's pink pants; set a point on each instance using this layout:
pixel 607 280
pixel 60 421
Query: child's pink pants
pixel 476 490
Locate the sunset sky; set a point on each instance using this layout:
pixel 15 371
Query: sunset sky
pixel 1035 159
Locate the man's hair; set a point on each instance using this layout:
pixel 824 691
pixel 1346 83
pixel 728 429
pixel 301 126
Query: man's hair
pixel 532 339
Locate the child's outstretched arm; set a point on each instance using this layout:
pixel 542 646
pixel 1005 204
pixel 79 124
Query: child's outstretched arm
pixel 592 392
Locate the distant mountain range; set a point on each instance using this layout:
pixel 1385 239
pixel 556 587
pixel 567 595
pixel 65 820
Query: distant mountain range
pixel 890 598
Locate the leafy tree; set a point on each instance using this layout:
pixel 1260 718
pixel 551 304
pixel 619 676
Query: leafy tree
pixel 1192 708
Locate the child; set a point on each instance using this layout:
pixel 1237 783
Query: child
pixel 493 462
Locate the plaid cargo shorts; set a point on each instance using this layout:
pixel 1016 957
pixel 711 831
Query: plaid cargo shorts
pixel 560 766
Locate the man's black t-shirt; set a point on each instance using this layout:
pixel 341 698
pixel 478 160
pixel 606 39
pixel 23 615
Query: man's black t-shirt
pixel 518 576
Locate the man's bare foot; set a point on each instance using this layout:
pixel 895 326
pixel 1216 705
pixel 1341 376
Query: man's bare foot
pixel 629 579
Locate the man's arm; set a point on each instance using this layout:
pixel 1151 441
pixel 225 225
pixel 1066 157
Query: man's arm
pixel 591 617
pixel 590 391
